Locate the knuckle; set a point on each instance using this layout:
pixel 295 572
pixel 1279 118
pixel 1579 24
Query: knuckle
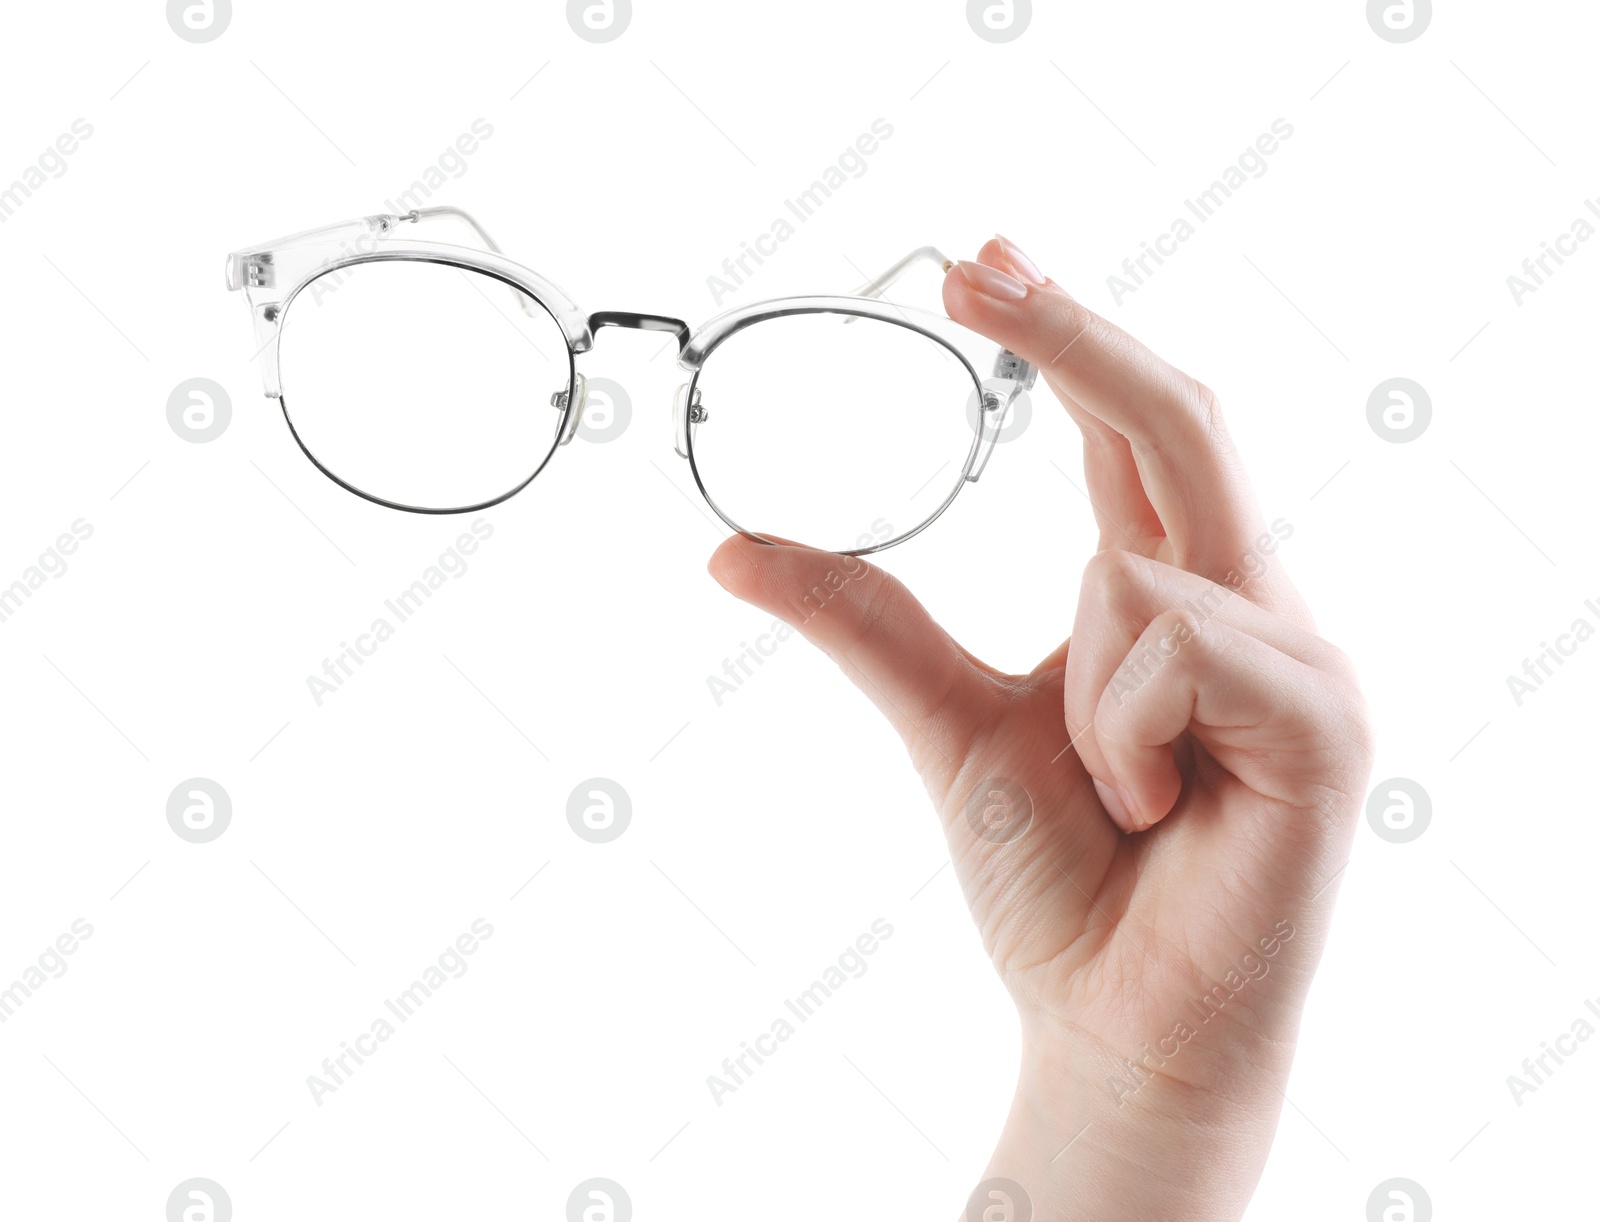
pixel 1207 407
pixel 1362 731
pixel 1339 664
pixel 1073 318
pixel 1352 716
pixel 1202 407
pixel 1076 331
pixel 1168 645
pixel 1162 653
pixel 1342 725
pixel 1175 626
pixel 1078 708
pixel 1116 580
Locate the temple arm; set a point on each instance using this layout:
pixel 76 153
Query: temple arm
pixel 461 215
pixel 922 254
pixel 446 212
pixel 1013 373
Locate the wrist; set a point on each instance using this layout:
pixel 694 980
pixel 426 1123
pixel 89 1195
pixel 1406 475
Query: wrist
pixel 1088 1140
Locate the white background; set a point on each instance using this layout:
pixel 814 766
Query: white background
pixel 769 832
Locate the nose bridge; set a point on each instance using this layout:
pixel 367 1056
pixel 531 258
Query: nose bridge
pixel 641 322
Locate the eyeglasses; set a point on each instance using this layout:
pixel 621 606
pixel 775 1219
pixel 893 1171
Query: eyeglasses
pixel 438 378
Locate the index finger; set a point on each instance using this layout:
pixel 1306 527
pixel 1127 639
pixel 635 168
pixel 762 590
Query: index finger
pixel 1178 444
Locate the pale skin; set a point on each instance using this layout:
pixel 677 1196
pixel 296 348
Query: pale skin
pixel 1219 755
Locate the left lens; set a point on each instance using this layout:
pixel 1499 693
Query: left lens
pixel 423 384
pixel 840 431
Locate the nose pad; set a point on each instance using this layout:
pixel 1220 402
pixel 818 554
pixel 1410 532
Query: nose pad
pixel 686 413
pixel 580 399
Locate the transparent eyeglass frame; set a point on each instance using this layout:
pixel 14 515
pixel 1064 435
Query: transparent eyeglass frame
pixel 273 274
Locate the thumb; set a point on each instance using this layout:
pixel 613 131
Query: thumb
pixel 932 691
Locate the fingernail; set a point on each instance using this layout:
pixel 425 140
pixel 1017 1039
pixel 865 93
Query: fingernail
pixel 1116 805
pixel 1026 267
pixel 992 282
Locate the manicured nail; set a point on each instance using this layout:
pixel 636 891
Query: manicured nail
pixel 1116 805
pixel 992 282
pixel 1026 267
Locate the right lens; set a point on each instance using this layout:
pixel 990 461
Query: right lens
pixel 423 384
pixel 840 431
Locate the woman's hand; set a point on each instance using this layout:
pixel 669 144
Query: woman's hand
pixel 1148 827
